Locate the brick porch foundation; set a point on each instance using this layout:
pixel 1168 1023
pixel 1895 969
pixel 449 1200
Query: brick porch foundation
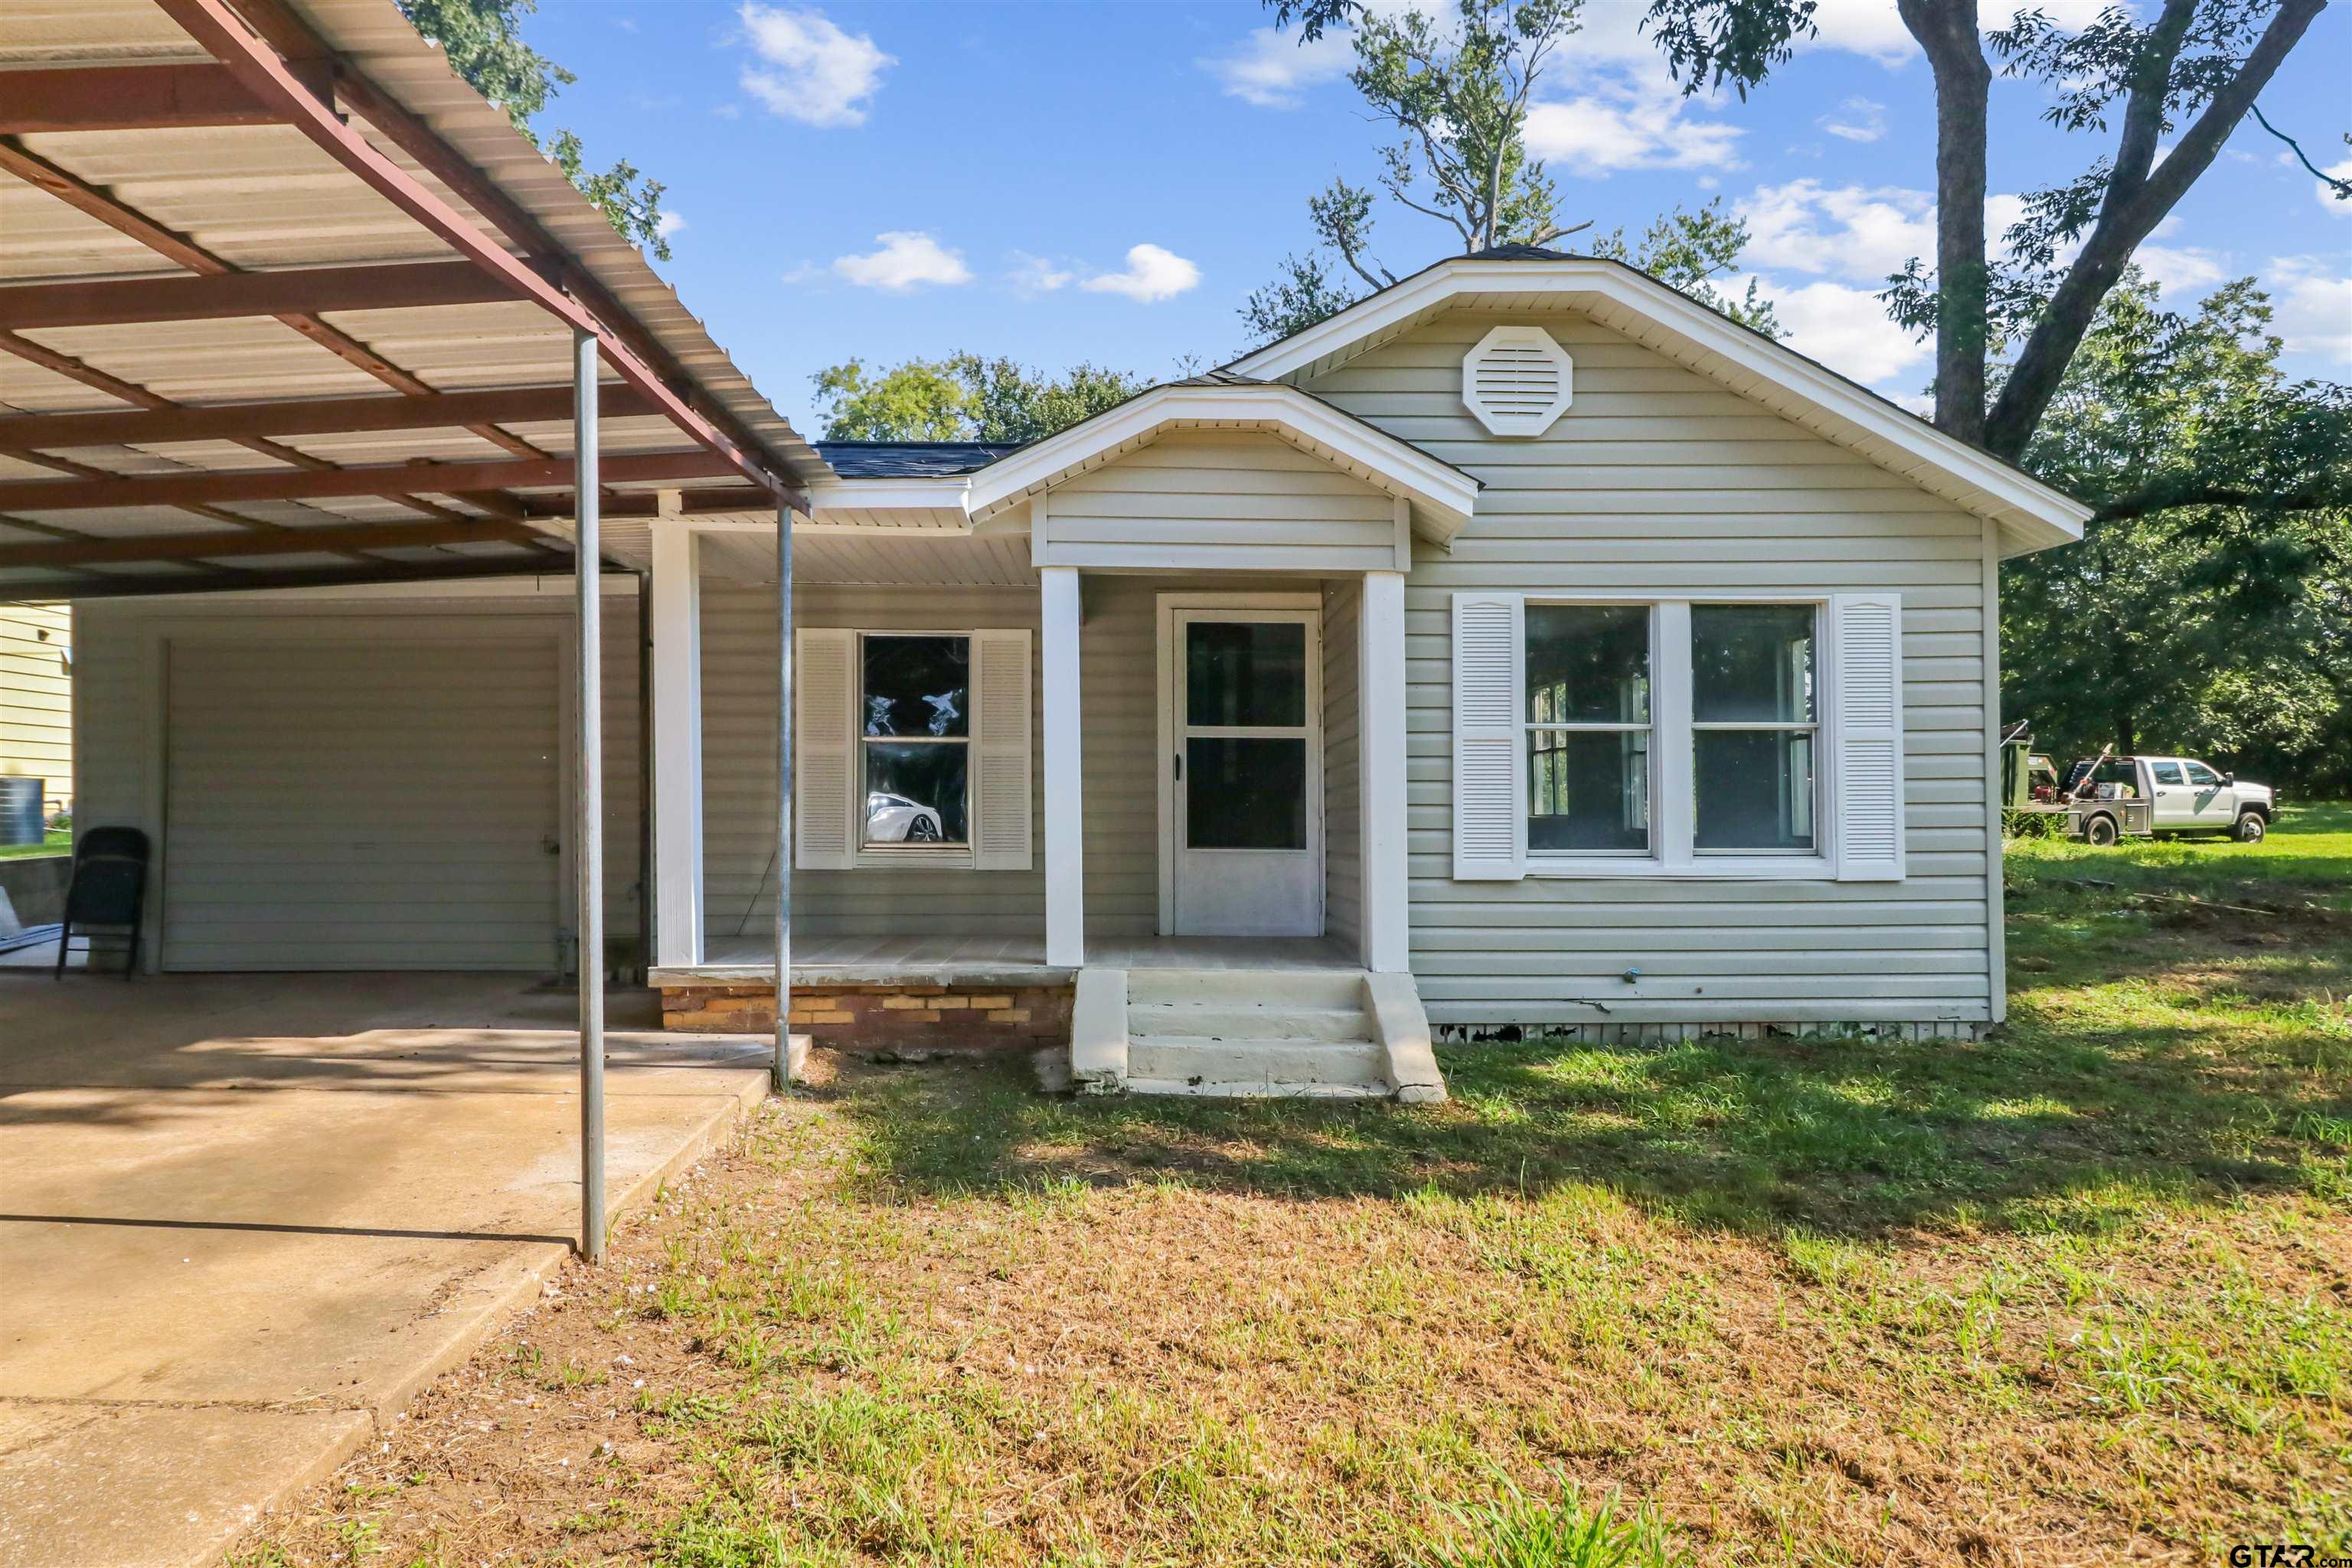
pixel 935 1017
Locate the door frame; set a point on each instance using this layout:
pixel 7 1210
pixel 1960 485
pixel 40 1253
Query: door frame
pixel 1170 604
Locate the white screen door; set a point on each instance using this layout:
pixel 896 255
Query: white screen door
pixel 1244 772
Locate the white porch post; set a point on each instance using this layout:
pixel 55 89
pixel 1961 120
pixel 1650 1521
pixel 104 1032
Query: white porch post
pixel 588 830
pixel 677 743
pixel 1380 723
pixel 786 1068
pixel 1066 919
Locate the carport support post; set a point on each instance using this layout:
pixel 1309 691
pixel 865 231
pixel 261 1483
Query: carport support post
pixel 784 1065
pixel 588 832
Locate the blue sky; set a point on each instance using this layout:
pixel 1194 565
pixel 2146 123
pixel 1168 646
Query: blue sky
pixel 1108 182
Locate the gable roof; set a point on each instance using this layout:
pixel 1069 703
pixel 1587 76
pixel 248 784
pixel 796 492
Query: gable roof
pixel 911 460
pixel 2031 514
pixel 1442 496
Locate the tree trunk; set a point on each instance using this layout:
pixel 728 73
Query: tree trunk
pixel 1947 31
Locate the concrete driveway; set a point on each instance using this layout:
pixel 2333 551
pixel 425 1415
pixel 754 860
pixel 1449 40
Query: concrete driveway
pixel 243 1219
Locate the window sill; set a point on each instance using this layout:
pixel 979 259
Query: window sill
pixel 914 860
pixel 1709 868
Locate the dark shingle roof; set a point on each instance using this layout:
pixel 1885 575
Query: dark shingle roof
pixel 1519 253
pixel 911 460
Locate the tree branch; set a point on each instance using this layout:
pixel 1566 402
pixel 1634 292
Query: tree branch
pixel 2343 188
pixel 2121 227
pixel 2328 493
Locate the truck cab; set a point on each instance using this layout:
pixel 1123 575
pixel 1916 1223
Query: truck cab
pixel 2192 797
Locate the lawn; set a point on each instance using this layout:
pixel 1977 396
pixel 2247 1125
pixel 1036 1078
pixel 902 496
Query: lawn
pixel 2079 1293
pixel 56 841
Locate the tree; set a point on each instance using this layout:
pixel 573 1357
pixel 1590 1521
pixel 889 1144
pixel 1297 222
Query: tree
pixel 2192 67
pixel 963 397
pixel 482 40
pixel 1457 94
pixel 2219 622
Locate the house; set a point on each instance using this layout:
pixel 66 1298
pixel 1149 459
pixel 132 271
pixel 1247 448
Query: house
pixel 1524 648
pixel 36 699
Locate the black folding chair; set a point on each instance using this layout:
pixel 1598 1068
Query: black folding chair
pixel 108 892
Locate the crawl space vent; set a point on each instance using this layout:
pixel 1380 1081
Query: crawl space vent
pixel 1516 380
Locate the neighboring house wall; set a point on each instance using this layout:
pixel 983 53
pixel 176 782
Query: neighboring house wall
pixel 125 705
pixel 1223 499
pixel 739 774
pixel 1661 481
pixel 36 699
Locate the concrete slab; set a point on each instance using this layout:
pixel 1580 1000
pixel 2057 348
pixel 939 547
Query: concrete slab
pixel 243 1219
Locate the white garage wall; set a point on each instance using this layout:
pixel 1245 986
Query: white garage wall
pixel 119 709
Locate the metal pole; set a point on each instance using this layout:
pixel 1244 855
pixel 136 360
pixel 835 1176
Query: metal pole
pixel 784 1064
pixel 588 830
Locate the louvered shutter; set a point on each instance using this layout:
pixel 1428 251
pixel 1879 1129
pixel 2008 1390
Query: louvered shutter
pixel 1517 380
pixel 1000 750
pixel 1867 680
pixel 1490 830
pixel 825 749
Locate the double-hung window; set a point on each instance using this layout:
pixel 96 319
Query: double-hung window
pixel 916 713
pixel 1588 729
pixel 1722 738
pixel 1754 721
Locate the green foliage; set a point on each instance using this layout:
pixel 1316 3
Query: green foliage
pixel 2219 629
pixel 1456 91
pixel 1687 251
pixel 482 40
pixel 963 397
pixel 1512 1530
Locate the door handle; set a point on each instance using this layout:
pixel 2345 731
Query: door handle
pixel 1179 759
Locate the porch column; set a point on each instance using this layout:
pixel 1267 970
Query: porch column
pixel 786 1067
pixel 1380 723
pixel 677 743
pixel 1065 916
pixel 588 823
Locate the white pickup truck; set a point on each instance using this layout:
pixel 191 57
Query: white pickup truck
pixel 2183 795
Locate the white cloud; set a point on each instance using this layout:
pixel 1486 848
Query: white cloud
pixel 1036 275
pixel 1846 329
pixel 908 260
pixel 2325 196
pixel 1856 120
pixel 1151 274
pixel 2180 268
pixel 2313 300
pixel 1271 68
pixel 1627 118
pixel 671 222
pixel 810 69
pixel 1846 231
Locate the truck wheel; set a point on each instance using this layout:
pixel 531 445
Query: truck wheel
pixel 2100 831
pixel 2250 828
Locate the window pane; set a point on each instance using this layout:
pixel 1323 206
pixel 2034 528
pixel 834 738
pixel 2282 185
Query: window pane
pixel 917 686
pixel 1245 794
pixel 1755 789
pixel 915 793
pixel 1752 663
pixel 2201 776
pixel 2169 773
pixel 1587 790
pixel 1587 664
pixel 1245 672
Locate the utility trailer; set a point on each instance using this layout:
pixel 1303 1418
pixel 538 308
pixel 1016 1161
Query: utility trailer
pixel 2099 800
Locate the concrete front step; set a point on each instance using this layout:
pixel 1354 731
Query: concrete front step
pixel 1203 1089
pixel 1354 1064
pixel 1246 987
pixel 1226 1021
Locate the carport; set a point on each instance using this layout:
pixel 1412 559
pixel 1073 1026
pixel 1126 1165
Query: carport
pixel 287 309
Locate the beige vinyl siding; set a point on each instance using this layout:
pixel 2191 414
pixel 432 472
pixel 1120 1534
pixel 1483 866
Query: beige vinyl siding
pixel 36 699
pixel 1229 500
pixel 739 775
pixel 1343 822
pixel 1659 482
pixel 119 660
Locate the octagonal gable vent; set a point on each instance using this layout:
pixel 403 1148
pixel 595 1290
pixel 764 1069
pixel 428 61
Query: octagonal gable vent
pixel 1516 380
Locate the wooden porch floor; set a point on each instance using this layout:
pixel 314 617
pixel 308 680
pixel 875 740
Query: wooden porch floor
pixel 982 960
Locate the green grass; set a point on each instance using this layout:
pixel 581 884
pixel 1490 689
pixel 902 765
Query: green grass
pixel 56 841
pixel 1790 1302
